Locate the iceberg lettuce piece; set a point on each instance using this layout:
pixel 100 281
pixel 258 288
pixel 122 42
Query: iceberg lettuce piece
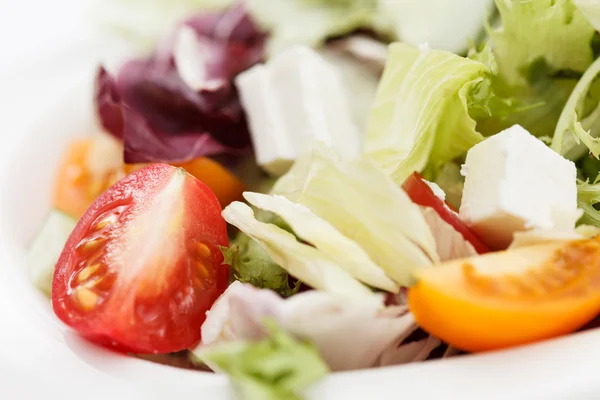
pixel 311 266
pixel 319 233
pixel 365 205
pixel 412 126
pixel 591 10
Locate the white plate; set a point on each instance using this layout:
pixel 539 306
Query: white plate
pixel 40 357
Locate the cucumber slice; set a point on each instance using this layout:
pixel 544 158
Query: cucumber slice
pixel 46 248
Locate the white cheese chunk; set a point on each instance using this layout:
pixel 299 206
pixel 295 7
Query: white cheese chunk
pixel 293 100
pixel 514 182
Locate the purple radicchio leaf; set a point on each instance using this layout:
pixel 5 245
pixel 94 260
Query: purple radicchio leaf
pixel 108 103
pixel 180 103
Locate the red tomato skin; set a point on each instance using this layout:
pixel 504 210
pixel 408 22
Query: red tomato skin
pixel 420 193
pixel 161 308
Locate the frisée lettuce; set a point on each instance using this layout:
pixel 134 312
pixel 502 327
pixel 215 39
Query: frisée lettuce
pixel 579 121
pixel 552 30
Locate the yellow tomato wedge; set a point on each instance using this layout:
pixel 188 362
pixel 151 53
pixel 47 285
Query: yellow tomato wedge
pixel 510 298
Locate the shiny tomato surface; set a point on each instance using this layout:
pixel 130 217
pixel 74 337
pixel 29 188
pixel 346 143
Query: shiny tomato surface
pixel 143 265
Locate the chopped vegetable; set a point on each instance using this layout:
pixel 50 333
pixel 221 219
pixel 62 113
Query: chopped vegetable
pixel 590 10
pixel 421 193
pixel 277 367
pixel 303 261
pixel 319 233
pixel 92 165
pixel 252 264
pixel 580 119
pixel 412 127
pixel 89 167
pixel 550 30
pixel 294 22
pixel 46 248
pixel 510 298
pixel 168 116
pixel 348 334
pixel 366 206
pixel 143 265
pixel 296 98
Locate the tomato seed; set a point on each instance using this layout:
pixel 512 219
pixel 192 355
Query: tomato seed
pixel 203 250
pixel 86 298
pixel 87 272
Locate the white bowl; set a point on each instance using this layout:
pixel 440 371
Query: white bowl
pixel 41 357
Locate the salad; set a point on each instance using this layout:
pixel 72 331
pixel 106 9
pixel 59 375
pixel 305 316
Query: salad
pixel 278 190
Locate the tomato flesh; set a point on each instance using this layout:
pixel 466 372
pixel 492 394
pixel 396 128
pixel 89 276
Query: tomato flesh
pixel 420 193
pixel 143 265
pixel 509 298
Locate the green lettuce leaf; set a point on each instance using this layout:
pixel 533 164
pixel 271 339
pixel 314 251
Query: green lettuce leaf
pixel 251 263
pixel 365 205
pixel 579 121
pixel 554 31
pixel 309 22
pixel 588 196
pixel 276 368
pixel 420 118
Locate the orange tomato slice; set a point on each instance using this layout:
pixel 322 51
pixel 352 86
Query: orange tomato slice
pixel 78 182
pixel 510 298
pixel 91 165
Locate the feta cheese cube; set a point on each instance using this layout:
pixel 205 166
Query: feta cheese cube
pixel 294 99
pixel 514 182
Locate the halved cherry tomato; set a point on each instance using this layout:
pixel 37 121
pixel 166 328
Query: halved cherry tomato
pixel 420 193
pixel 510 298
pixel 143 265
pixel 84 174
